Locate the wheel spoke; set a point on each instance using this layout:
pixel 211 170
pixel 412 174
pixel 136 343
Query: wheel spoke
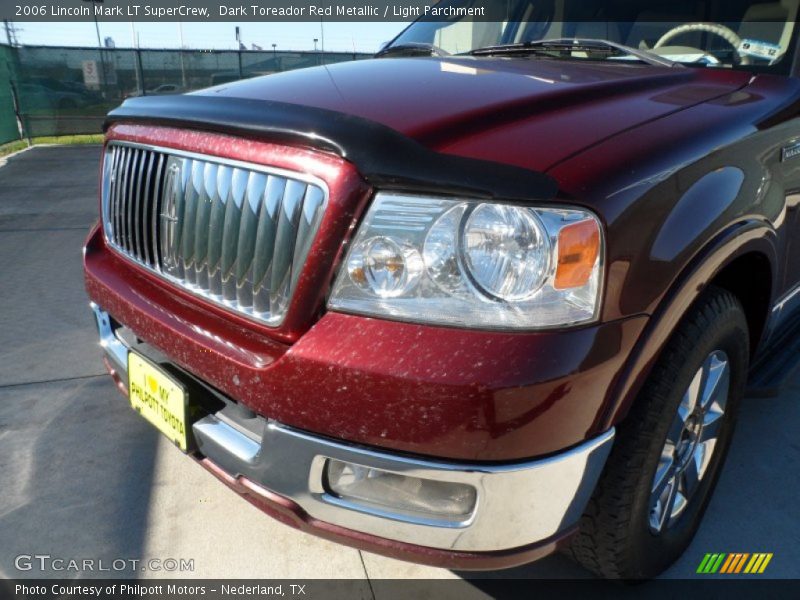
pixel 674 434
pixel 712 423
pixel 703 454
pixel 679 505
pixel 714 394
pixel 691 473
pixel 693 394
pixel 664 474
pixel 668 505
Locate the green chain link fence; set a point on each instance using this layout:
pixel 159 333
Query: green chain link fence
pixel 67 91
pixel 9 130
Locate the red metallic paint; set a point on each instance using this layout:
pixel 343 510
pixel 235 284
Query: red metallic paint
pixel 289 513
pixel 462 395
pixel 750 237
pixel 636 202
pixel 531 113
pixel 744 130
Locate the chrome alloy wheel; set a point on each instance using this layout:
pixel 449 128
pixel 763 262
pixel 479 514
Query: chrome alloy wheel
pixel 690 443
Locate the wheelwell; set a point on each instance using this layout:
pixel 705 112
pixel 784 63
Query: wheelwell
pixel 749 278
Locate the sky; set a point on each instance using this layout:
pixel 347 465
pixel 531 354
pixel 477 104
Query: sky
pixel 363 37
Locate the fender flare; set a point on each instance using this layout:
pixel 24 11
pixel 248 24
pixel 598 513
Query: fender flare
pixel 745 237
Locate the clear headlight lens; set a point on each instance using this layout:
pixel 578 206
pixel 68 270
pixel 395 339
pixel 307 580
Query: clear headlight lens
pixel 507 251
pixel 473 264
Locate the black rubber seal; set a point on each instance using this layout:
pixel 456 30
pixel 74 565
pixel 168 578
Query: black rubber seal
pixel 386 158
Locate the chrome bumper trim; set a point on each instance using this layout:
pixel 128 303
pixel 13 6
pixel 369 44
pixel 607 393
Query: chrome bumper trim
pixel 114 348
pixel 517 504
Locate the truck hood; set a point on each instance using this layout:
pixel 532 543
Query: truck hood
pixel 528 112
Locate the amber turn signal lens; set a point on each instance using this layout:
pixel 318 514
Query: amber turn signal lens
pixel 578 249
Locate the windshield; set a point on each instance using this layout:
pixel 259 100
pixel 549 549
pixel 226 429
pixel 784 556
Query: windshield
pixel 735 34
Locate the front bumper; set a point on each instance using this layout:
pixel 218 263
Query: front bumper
pixel 519 505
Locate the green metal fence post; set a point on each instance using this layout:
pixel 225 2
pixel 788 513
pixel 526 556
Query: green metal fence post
pixel 11 124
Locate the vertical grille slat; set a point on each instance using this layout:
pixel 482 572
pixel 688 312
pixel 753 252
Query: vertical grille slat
pixel 284 244
pixel 186 224
pixel 146 210
pixel 129 201
pixel 138 205
pixel 310 216
pixel 113 182
pixel 122 176
pixel 240 286
pixel 231 226
pixel 216 223
pixel 265 243
pixel 233 233
pixel 202 219
pixel 156 201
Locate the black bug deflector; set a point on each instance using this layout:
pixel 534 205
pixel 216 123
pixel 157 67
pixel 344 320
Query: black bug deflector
pixel 385 157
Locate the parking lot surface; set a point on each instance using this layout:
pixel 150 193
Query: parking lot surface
pixel 82 476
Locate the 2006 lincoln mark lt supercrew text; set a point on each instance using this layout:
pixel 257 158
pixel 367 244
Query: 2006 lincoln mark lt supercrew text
pixel 495 292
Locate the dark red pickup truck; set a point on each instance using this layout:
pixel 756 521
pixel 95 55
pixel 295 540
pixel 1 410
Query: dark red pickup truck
pixel 495 292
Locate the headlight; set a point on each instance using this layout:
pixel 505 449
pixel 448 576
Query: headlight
pixel 473 264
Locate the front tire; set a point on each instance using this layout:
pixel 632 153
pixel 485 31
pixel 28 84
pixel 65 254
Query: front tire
pixel 670 449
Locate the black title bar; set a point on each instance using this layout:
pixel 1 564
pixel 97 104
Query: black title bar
pixel 332 10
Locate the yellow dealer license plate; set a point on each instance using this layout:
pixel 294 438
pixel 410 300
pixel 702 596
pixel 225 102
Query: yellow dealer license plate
pixel 158 398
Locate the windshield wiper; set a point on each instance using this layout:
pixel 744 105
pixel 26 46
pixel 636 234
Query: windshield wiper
pixel 412 49
pixel 575 45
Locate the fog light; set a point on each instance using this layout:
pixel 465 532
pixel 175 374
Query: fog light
pixel 392 491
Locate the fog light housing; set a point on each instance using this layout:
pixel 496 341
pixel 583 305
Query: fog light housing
pixel 402 494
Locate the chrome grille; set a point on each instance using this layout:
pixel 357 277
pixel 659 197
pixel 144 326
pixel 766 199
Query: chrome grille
pixel 132 183
pixel 234 233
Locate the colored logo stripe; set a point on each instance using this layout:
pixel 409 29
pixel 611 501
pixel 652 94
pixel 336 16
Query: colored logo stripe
pixel 711 563
pixel 734 563
pixel 758 563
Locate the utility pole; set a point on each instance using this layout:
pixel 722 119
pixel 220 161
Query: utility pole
pixel 137 58
pixel 239 50
pixel 96 24
pixel 183 62
pixel 11 33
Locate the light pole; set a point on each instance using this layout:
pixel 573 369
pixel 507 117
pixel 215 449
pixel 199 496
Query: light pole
pixel 136 66
pixel 99 46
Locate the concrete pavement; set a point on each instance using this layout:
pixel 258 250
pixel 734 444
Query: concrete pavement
pixel 83 476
